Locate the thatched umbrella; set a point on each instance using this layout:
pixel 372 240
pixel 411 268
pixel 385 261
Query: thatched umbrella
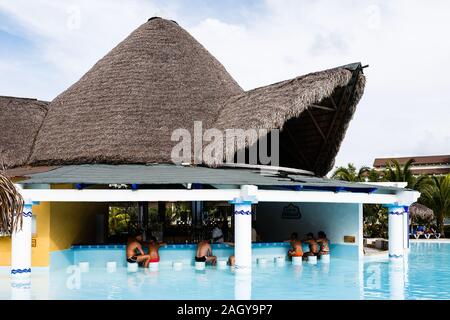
pixel 419 212
pixel 11 203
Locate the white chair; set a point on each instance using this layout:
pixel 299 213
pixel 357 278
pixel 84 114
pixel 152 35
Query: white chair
pixel 177 265
pixel 84 266
pixel 312 259
pixel 297 261
pixel 132 267
pixel 111 266
pixel 200 265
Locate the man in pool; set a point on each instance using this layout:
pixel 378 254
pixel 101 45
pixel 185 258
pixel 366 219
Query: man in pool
pixel 313 246
pixel 323 243
pixel 231 259
pixel 204 253
pixel 296 244
pixel 153 251
pixel 135 254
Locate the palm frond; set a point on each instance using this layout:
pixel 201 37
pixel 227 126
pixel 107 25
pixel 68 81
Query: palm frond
pixel 11 206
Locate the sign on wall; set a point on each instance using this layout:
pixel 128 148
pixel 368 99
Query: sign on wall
pixel 291 212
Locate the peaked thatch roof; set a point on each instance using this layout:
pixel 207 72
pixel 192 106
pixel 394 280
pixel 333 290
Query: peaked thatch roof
pixel 20 120
pixel 160 78
pixel 418 211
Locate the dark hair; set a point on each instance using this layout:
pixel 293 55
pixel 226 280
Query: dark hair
pixel 153 238
pixel 294 235
pixel 310 234
pixel 322 234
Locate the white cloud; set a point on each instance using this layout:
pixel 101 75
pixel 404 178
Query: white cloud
pixel 405 107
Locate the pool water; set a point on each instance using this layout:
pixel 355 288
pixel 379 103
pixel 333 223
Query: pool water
pixel 424 274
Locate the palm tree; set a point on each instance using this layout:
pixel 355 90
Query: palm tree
pixel 351 174
pixel 395 172
pixel 11 202
pixel 436 196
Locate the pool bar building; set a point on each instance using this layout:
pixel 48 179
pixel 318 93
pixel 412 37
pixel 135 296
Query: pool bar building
pixel 108 139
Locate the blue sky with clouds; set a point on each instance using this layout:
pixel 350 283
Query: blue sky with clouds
pixel 46 45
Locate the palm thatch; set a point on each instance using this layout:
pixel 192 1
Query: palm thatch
pixel 160 78
pixel 11 206
pixel 419 212
pixel 20 120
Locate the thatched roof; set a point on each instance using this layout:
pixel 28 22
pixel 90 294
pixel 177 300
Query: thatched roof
pixel 418 211
pixel 124 109
pixel 20 120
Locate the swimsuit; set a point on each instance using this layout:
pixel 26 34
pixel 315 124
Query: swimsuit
pixel 200 259
pixel 154 260
pixel 132 259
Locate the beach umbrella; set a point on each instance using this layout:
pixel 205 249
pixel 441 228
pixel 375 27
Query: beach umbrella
pixel 420 212
pixel 11 201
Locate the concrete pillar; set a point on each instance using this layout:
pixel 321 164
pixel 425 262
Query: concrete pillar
pixel 243 229
pixel 396 231
pixel 243 236
pixel 21 246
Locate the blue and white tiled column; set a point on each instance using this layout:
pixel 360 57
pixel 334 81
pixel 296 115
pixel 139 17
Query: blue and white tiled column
pixel 21 245
pixel 396 231
pixel 243 229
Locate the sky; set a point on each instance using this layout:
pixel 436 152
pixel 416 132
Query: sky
pixel 47 45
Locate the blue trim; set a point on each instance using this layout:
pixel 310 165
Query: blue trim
pixel 28 214
pixel 243 212
pixel 395 256
pixel 80 186
pixel 15 271
pixel 396 213
pixel 134 186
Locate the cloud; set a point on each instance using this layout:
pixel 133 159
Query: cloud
pixel 405 107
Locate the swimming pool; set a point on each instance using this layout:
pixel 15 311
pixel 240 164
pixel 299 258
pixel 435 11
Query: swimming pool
pixel 425 274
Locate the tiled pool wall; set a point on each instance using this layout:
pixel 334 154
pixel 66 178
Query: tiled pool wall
pixel 98 255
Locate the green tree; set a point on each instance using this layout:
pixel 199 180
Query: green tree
pixel 395 172
pixel 351 174
pixel 436 196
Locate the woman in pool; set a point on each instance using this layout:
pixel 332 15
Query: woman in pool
pixel 323 243
pixel 296 245
pixel 153 251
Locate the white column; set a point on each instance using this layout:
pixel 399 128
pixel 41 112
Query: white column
pixel 243 237
pixel 406 230
pixel 21 246
pixel 243 229
pixel 396 232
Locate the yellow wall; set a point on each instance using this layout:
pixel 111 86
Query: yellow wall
pixel 73 222
pixel 5 251
pixel 59 225
pixel 39 254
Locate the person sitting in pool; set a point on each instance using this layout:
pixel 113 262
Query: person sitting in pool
pixel 313 246
pixel 323 243
pixel 204 253
pixel 135 254
pixel 231 259
pixel 296 244
pixel 153 250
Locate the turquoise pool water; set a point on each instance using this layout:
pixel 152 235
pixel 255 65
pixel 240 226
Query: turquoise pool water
pixel 425 274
